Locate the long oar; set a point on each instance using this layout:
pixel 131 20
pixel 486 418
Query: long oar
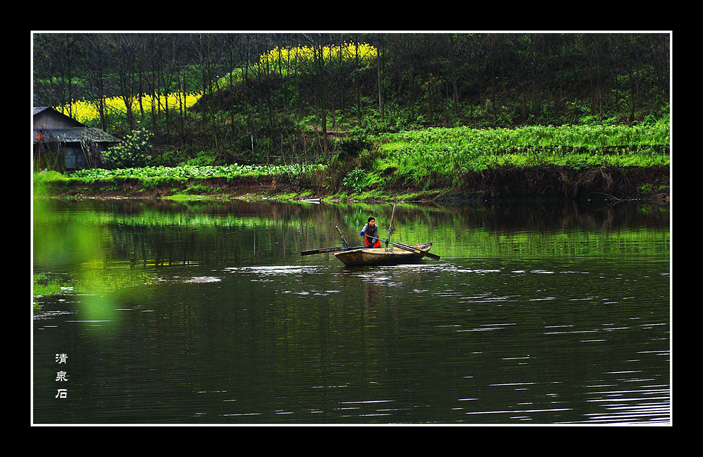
pixel 411 249
pixel 390 226
pixel 343 239
pixel 324 250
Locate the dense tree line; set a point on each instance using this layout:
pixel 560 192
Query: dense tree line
pixel 280 112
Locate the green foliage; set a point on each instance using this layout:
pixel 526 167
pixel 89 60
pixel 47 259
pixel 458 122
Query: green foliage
pixel 360 180
pixel 356 180
pixel 45 286
pixel 44 178
pixel 197 172
pixel 433 157
pixel 446 154
pixel 135 151
pixel 154 182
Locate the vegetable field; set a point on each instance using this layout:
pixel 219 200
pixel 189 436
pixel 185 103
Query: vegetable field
pixel 449 153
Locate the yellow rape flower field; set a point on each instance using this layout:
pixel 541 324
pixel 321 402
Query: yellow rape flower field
pixel 87 111
pixel 303 55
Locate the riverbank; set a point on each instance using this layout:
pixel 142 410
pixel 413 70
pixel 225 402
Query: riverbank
pixel 650 184
pixel 461 163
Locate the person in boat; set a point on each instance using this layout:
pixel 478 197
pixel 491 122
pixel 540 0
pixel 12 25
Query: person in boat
pixel 370 230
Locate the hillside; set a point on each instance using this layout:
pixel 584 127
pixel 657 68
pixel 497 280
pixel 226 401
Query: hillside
pixel 421 116
pixel 270 98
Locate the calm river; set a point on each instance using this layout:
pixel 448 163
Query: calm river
pixel 206 313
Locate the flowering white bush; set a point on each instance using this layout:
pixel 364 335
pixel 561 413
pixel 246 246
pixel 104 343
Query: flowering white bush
pixel 135 151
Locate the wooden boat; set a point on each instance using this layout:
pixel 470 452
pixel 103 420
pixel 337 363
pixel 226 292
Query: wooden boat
pixel 381 256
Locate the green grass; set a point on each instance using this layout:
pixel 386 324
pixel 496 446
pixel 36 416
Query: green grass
pixel 43 286
pixel 195 172
pixel 447 154
pixel 155 177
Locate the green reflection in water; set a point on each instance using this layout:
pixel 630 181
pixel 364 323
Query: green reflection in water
pixel 211 315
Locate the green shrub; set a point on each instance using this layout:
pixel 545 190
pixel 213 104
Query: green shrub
pixel 359 180
pixel 160 181
pixel 135 151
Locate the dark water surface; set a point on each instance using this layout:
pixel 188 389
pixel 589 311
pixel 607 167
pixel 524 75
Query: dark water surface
pixel 206 313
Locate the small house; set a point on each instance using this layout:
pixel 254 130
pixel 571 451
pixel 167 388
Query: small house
pixel 62 143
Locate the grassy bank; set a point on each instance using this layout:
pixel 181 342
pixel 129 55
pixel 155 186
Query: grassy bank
pixel 447 156
pixel 568 161
pixel 182 182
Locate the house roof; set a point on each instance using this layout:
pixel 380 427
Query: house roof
pixel 38 109
pixel 70 134
pixel 73 135
pixel 60 119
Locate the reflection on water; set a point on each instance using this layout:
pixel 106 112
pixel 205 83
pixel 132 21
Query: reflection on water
pixel 207 313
